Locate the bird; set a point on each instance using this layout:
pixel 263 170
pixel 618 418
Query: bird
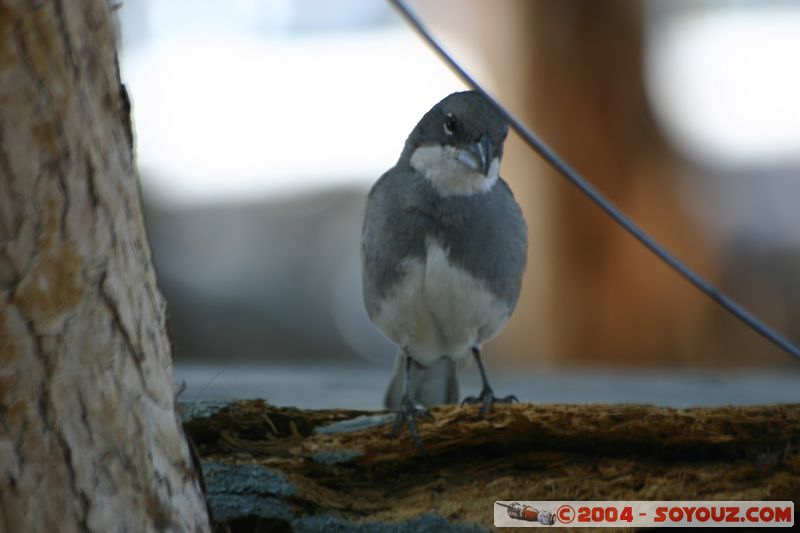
pixel 443 252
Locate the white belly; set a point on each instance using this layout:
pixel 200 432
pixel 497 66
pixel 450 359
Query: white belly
pixel 440 310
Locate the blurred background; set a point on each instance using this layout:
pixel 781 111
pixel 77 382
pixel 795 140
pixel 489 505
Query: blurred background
pixel 260 126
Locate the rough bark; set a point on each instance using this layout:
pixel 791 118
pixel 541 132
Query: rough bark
pixel 89 436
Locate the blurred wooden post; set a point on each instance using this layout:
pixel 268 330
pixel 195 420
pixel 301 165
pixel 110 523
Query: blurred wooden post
pixel 89 436
pixel 573 69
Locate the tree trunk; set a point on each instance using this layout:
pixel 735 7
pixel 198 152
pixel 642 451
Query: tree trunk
pixel 89 436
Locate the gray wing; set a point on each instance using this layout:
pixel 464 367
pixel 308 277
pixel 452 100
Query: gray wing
pixel 393 230
pixel 508 246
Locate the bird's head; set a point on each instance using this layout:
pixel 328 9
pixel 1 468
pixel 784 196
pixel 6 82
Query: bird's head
pixel 458 144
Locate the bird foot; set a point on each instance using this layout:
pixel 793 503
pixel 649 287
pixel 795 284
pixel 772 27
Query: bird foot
pixel 487 399
pixel 408 412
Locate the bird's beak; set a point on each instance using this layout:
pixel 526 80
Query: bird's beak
pixel 478 156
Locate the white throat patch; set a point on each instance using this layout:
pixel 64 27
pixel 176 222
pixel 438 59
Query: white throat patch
pixel 449 177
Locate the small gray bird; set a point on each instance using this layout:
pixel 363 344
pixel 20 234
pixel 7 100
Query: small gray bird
pixel 443 251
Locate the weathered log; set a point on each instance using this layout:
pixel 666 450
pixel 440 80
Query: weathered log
pixel 523 452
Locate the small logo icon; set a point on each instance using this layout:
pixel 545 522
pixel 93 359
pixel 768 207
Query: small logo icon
pixel 527 513
pixel 565 514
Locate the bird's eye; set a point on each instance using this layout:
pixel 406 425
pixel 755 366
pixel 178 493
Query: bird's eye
pixel 450 124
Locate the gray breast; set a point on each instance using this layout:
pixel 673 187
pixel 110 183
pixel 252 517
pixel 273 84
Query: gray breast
pixel 483 234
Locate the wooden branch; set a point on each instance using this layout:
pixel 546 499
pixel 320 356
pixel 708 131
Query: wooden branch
pixel 585 452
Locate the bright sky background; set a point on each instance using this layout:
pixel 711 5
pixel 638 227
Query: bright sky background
pixel 224 112
pixel 726 83
pixel 226 108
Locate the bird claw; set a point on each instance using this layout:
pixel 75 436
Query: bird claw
pixel 408 412
pixel 487 399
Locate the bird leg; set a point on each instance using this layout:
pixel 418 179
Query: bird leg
pixel 487 397
pixel 409 410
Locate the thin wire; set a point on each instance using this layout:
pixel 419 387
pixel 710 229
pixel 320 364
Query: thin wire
pixel 207 385
pixel 594 195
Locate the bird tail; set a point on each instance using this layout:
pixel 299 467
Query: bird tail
pixel 429 385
